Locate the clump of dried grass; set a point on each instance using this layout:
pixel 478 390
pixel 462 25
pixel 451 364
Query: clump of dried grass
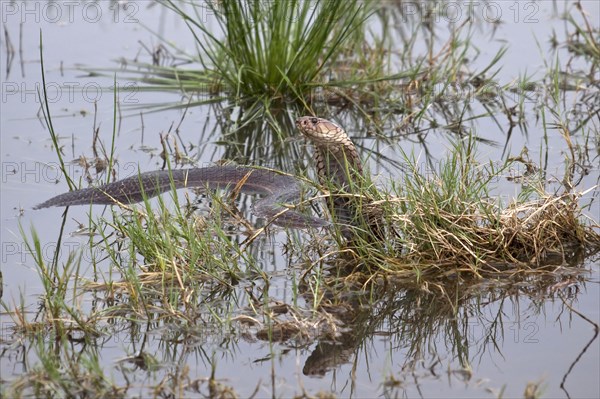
pixel 524 234
pixel 447 219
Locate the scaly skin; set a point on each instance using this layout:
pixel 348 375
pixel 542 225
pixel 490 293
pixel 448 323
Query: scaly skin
pixel 336 158
pixel 338 168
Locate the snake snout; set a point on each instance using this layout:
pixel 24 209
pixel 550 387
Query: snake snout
pixel 314 128
pixel 305 122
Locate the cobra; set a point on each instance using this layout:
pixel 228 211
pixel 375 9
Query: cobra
pixel 337 162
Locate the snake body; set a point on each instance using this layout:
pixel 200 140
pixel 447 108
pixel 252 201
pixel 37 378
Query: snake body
pixel 337 164
pixel 276 188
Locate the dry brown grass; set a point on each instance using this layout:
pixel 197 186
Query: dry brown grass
pixel 524 234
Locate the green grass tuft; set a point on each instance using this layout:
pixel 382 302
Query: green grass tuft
pixel 272 49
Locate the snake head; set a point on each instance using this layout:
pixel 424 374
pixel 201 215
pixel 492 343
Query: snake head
pixel 321 131
pixel 334 151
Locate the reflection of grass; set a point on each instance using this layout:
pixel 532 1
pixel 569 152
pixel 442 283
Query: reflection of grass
pixel 324 54
pixel 584 41
pixel 184 278
pixel 177 270
pixel 180 274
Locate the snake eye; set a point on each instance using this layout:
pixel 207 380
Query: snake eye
pixel 314 121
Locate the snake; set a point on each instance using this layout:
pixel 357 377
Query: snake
pixel 338 166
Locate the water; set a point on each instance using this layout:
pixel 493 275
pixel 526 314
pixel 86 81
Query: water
pixel 406 344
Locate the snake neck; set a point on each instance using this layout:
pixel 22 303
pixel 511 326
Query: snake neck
pixel 340 170
pixel 338 166
pixel 336 158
